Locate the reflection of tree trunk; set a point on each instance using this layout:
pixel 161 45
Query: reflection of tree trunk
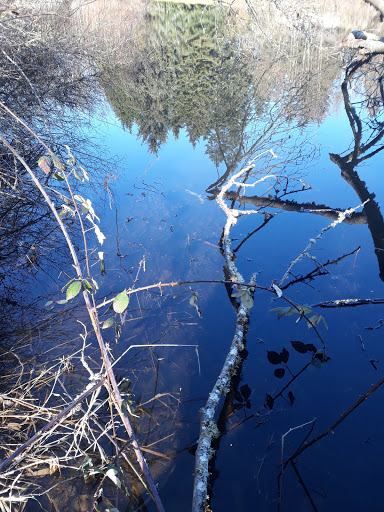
pixel 372 211
pixel 360 153
pixel 292 206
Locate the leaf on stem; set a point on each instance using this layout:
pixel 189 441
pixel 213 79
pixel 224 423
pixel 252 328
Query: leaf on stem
pixel 44 164
pixel 112 475
pixel 279 293
pixel 121 302
pixel 108 323
pixel 58 176
pixel 57 162
pixel 100 236
pixel 87 285
pixel 279 373
pixel 273 357
pixel 284 355
pixel 244 297
pixel 77 175
pixel 73 290
pixel 85 173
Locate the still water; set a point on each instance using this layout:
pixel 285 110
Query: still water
pixel 191 106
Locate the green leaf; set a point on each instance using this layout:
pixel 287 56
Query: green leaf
pixel 316 362
pixel 58 176
pixel 84 208
pixel 315 320
pixel 246 300
pixel 112 474
pixel 85 174
pixel 108 323
pixel 57 162
pixel 244 297
pixel 102 268
pixel 48 303
pixel 304 310
pixel 287 311
pixel 73 290
pixel 77 175
pixel 121 302
pixel 62 301
pixel 87 285
pixel 67 284
pixel 67 210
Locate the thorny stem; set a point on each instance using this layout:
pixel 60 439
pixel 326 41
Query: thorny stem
pixel 161 285
pixel 92 311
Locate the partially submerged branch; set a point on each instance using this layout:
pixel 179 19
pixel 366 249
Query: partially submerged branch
pixel 208 427
pixel 347 303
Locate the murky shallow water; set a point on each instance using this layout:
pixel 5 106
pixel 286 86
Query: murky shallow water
pixel 164 211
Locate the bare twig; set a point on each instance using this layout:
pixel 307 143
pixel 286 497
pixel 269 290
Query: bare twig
pixel 282 456
pixel 330 430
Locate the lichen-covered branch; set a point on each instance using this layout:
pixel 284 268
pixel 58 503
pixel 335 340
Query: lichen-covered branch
pixel 208 426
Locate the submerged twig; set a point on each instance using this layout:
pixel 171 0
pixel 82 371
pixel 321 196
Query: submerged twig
pixel 331 429
pixel 341 217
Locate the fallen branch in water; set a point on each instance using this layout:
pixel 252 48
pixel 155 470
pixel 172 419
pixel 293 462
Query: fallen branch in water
pixel 347 303
pixel 208 425
pixel 342 215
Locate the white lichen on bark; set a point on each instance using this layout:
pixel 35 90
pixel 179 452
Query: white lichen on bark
pixel 208 426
